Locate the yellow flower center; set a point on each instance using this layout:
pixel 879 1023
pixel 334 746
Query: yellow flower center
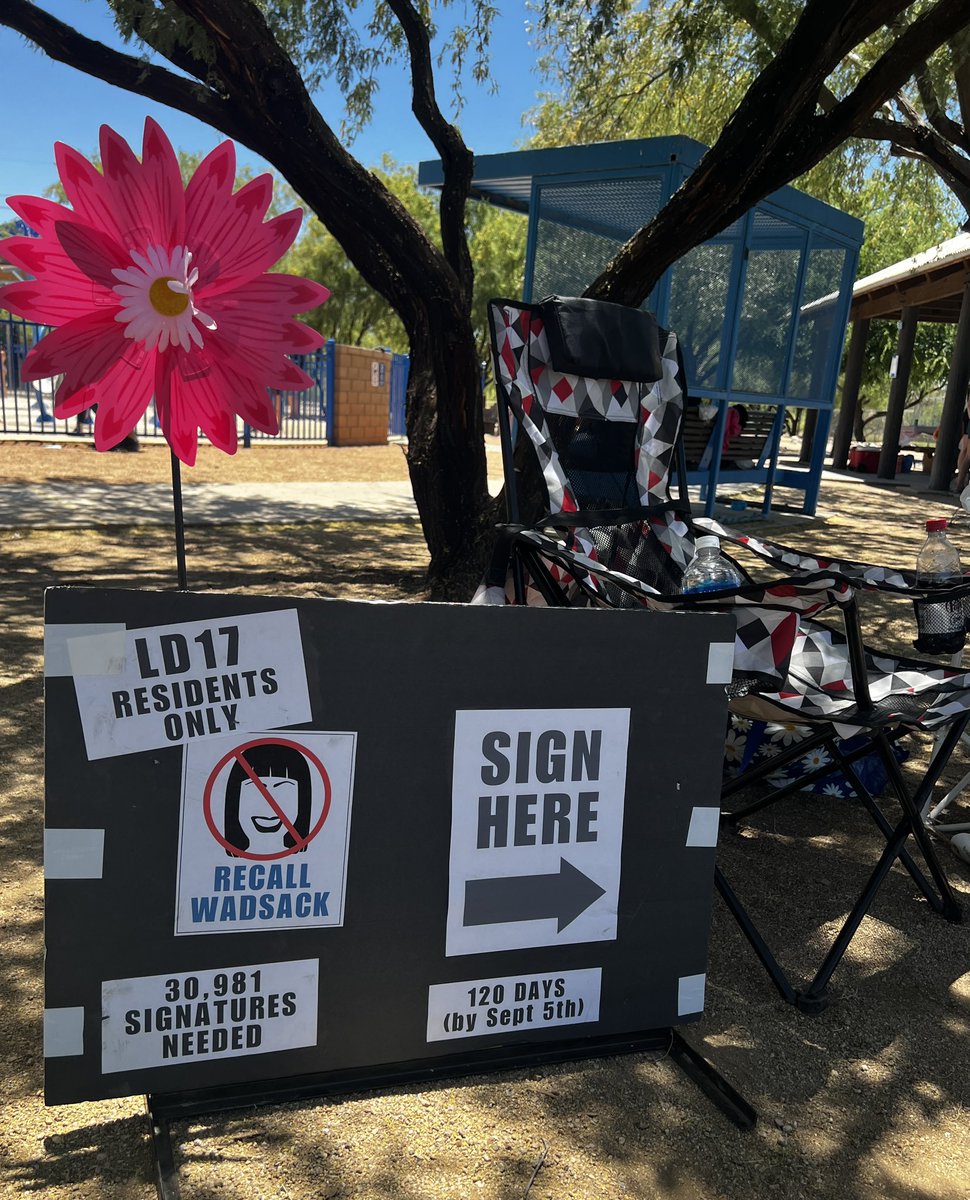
pixel 164 300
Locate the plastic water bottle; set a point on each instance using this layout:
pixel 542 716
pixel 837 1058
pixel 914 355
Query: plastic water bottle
pixel 708 570
pixel 941 623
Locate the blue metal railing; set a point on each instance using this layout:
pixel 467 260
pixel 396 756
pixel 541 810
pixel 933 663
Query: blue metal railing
pixel 305 416
pixel 400 366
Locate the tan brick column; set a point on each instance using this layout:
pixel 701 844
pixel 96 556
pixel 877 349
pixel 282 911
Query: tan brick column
pixel 362 389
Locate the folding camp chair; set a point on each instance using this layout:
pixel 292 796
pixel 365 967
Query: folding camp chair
pixel 596 394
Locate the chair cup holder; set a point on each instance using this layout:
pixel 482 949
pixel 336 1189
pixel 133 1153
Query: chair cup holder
pixel 941 625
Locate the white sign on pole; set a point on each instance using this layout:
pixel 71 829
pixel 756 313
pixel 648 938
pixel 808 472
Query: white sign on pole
pixel 536 827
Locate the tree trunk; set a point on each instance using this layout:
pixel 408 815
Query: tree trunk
pixel 446 456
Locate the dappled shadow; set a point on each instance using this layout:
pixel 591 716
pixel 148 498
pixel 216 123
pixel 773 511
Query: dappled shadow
pixel 109 1154
pixel 855 1103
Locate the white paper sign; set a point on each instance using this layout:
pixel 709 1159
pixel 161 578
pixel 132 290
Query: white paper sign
pixel 481 1006
pixel 536 827
pixel 187 1017
pixel 172 684
pixel 264 832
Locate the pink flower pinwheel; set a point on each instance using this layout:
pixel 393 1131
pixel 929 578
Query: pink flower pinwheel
pixel 155 289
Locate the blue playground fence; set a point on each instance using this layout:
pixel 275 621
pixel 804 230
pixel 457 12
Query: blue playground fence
pixel 307 416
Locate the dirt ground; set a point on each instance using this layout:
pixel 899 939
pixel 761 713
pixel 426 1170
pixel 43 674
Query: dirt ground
pixel 866 1101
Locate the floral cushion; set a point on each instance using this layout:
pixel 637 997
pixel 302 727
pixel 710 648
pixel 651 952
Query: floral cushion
pixel 749 742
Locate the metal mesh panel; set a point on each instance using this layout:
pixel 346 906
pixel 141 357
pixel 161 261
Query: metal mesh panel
pixel 698 301
pixel 580 226
pixel 610 445
pixel 764 327
pixel 813 342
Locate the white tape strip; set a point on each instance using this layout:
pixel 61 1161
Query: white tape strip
pixel 720 662
pixel 73 853
pixel 63 1032
pixel 98 654
pixel 702 830
pixel 690 994
pixel 57 660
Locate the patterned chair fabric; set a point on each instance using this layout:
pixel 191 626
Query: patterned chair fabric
pixel 606 449
pixel 612 535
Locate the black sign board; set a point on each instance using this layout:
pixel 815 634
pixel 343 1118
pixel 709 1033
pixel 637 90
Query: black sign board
pixel 286 837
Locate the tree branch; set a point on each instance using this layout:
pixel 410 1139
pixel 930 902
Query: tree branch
pixel 774 135
pixel 936 115
pixel 66 45
pixel 960 60
pixel 890 72
pixel 921 142
pixel 457 161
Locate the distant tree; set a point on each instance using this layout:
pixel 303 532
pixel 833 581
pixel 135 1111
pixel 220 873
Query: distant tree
pixel 357 315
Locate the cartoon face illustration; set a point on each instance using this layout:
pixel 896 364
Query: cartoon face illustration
pixel 252 822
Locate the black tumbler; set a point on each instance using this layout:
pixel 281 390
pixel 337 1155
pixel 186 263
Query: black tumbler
pixel 940 625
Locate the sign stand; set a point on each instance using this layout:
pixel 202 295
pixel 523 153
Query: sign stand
pixel 300 847
pixel 179 1106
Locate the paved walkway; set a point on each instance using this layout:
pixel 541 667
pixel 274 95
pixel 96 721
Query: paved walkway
pixel 54 505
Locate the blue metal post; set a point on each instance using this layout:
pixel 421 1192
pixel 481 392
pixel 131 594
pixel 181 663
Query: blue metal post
pixel 331 399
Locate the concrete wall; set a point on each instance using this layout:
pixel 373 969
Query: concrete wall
pixel 362 383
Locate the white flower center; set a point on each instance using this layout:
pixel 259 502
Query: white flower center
pixel 156 299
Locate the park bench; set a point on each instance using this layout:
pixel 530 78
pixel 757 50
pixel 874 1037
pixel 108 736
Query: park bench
pixel 745 450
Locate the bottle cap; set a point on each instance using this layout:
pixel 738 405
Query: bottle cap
pixel 707 542
pixel 933 525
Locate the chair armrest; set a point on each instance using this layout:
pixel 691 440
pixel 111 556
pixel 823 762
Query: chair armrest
pixel 862 576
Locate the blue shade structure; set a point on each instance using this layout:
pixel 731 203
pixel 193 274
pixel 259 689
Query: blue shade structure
pixel 760 310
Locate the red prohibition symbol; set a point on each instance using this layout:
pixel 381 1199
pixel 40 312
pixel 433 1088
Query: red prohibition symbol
pixel 300 841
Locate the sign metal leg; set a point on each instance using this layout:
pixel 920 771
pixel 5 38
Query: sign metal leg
pixel 166 1173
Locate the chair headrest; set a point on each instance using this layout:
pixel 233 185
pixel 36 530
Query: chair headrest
pixel 601 340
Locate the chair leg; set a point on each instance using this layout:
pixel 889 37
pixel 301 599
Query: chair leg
pixel 757 942
pixel 912 805
pixel 909 824
pixel 868 801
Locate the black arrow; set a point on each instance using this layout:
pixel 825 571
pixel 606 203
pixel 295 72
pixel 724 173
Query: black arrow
pixel 530 897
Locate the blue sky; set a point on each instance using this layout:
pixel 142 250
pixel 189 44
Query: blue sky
pixel 54 102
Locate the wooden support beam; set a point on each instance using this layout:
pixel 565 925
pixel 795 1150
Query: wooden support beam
pixel 850 392
pixel 951 422
pixel 887 301
pixel 897 394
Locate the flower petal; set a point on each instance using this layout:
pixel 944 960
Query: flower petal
pixel 180 427
pixel 286 293
pixel 162 184
pixel 68 402
pixel 86 188
pixel 122 397
pixel 141 196
pixel 59 291
pixel 243 245
pixel 39 214
pixel 94 253
pixel 201 391
pixel 83 350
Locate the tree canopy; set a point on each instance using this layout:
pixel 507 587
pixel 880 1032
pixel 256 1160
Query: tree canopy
pixel 838 69
pixel 681 67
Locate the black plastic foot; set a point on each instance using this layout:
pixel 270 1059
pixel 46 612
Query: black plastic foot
pixel 812 1005
pixel 953 912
